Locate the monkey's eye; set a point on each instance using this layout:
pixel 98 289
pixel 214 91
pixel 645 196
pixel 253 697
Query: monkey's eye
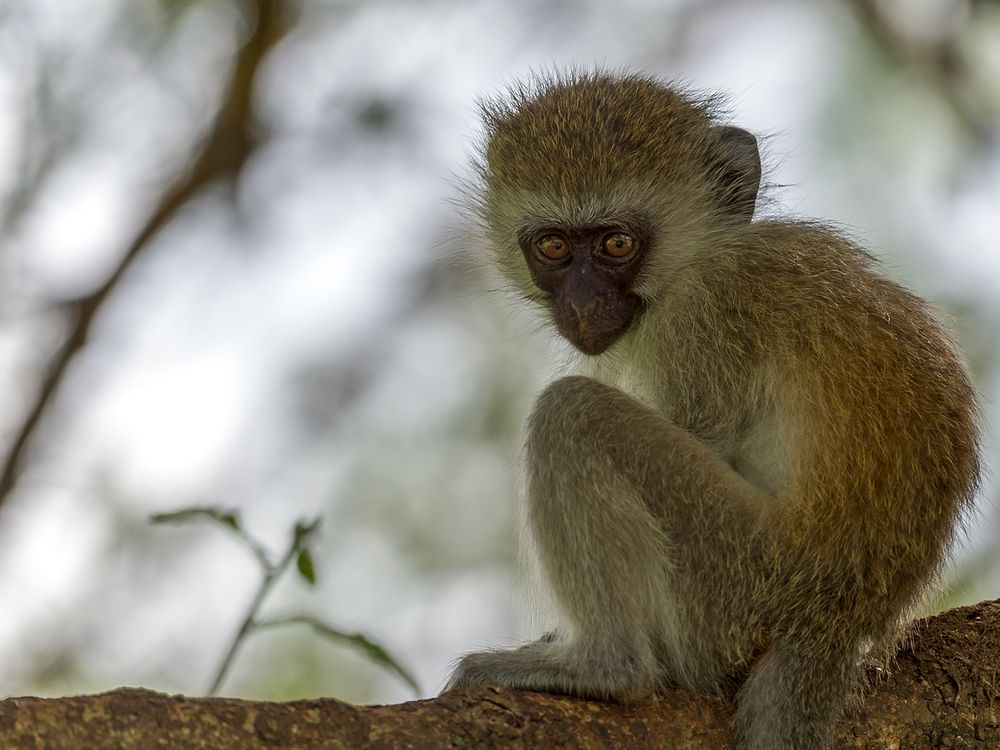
pixel 552 247
pixel 618 245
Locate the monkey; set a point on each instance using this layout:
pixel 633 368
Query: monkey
pixel 768 448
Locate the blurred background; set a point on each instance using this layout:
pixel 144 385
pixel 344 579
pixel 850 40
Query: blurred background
pixel 219 286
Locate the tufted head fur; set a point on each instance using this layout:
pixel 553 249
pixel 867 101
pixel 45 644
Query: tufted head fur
pixel 585 149
pixel 589 133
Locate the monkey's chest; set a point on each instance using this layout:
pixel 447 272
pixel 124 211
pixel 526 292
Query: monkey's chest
pixel 732 416
pixel 718 412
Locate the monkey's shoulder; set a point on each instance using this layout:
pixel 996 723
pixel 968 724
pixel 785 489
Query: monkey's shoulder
pixel 805 299
pixel 808 279
pixel 804 261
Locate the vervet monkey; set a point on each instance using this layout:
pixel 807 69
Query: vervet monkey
pixel 769 455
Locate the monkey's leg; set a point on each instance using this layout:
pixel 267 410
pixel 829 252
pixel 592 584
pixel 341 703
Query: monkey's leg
pixel 617 499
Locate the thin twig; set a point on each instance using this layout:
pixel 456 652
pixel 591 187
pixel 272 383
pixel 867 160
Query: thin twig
pixel 228 519
pixel 271 574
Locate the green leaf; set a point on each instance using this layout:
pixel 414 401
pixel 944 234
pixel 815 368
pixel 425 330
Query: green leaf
pixel 227 518
pixel 304 563
pixel 372 650
pixel 230 519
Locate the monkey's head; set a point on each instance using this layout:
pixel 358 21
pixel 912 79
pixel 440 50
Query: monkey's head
pixel 596 188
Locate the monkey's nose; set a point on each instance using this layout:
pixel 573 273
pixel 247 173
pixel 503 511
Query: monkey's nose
pixel 579 296
pixel 577 324
pixel 582 315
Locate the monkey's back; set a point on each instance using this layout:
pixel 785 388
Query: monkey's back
pixel 875 406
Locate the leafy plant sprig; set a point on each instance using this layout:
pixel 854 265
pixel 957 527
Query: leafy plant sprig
pixel 298 551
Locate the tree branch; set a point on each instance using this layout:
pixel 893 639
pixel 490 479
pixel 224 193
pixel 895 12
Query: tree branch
pixel 943 692
pixel 223 154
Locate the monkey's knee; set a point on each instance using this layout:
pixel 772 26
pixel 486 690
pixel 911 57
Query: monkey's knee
pixel 574 401
pixel 557 450
pixel 577 386
pixel 572 423
pixel 556 411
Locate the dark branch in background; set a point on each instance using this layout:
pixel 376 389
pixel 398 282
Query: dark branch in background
pixel 223 154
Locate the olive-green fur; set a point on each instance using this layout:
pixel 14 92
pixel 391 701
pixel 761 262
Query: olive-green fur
pixel 762 477
pixel 590 133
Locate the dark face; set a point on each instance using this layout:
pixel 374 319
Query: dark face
pixel 587 274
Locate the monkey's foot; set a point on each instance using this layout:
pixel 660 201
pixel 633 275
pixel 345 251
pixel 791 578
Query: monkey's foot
pixel 548 667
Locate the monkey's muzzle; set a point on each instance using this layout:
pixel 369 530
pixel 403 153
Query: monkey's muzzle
pixel 592 313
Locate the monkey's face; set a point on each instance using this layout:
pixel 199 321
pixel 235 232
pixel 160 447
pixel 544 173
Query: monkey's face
pixel 569 164
pixel 587 274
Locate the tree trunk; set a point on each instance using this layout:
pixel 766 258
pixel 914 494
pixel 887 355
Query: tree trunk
pixel 942 693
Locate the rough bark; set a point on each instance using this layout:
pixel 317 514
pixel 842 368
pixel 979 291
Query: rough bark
pixel 942 693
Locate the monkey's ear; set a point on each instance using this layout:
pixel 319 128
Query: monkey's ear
pixel 738 170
